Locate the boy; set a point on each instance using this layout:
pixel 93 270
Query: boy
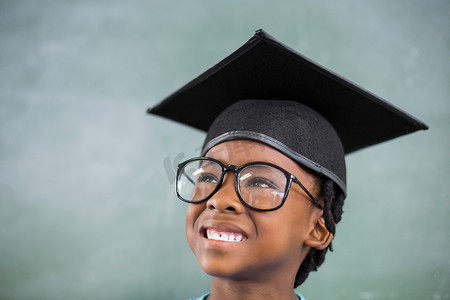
pixel 268 190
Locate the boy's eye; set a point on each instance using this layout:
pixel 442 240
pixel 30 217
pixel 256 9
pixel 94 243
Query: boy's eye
pixel 260 182
pixel 207 177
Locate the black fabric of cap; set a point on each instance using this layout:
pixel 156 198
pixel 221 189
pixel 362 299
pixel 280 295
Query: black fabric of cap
pixel 265 69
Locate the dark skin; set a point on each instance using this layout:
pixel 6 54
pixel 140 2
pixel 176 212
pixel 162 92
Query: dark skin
pixel 264 264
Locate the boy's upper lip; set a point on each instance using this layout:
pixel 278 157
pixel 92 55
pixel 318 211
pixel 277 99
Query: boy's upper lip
pixel 221 225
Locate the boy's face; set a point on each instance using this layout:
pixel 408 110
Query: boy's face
pixel 274 243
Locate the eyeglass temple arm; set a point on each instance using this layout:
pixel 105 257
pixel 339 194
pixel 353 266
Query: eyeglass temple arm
pixel 308 193
pixel 189 178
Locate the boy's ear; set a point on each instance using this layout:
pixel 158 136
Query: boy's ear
pixel 319 238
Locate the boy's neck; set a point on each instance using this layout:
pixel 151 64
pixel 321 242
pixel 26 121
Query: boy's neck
pixel 226 289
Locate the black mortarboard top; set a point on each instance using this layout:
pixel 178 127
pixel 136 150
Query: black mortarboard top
pixel 265 69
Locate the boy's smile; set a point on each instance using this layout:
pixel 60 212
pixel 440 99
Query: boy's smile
pixel 215 234
pixel 223 232
pixel 235 242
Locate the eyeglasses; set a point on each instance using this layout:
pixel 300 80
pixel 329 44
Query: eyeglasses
pixel 261 186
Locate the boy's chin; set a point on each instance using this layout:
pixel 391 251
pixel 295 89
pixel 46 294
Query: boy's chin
pixel 224 269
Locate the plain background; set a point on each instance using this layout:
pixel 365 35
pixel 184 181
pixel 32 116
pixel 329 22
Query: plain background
pixel 87 203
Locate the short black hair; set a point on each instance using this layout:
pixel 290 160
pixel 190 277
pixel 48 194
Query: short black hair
pixel 333 199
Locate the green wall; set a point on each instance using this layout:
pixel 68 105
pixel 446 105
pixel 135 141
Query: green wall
pixel 87 204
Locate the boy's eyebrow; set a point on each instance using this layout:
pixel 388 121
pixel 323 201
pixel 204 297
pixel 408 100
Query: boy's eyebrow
pixel 205 163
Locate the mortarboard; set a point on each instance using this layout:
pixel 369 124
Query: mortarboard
pixel 307 112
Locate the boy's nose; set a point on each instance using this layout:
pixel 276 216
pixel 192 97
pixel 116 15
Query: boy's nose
pixel 226 198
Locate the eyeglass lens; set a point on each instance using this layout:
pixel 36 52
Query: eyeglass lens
pixel 260 186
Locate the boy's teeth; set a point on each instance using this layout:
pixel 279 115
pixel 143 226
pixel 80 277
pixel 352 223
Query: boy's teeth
pixel 224 236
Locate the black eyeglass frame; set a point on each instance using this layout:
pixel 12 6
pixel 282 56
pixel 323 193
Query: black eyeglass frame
pixel 237 171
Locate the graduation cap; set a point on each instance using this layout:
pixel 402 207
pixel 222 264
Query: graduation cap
pixel 300 108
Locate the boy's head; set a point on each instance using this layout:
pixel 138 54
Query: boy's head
pixel 305 138
pixel 233 240
pixel 288 230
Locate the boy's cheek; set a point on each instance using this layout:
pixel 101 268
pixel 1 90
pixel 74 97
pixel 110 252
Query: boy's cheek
pixel 193 211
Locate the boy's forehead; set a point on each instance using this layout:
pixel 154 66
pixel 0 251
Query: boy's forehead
pixel 242 151
pixel 240 148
